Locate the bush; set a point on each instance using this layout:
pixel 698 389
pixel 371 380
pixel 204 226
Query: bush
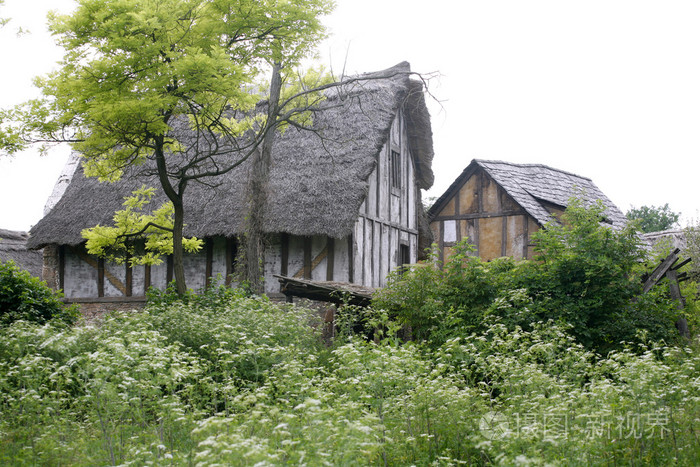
pixel 24 297
pixel 585 275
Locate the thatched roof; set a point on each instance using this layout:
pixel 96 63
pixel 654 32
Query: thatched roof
pixel 13 247
pixel 318 178
pixel 534 186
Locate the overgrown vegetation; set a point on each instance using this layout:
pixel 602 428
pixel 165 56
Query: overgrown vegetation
pixel 585 275
pixel 247 383
pixel 24 297
pixel 489 379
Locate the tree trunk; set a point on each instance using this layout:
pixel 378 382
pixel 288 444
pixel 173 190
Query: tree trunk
pixel 176 198
pixel 258 191
pixel 178 263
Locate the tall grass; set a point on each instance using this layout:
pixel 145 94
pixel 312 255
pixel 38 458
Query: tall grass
pixel 246 382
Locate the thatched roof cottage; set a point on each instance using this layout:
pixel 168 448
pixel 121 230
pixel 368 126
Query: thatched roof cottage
pixel 344 202
pixel 498 205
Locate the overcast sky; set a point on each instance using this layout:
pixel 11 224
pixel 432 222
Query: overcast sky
pixel 607 89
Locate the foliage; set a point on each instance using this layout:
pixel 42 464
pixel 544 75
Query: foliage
pixel 653 218
pixel 245 382
pixel 141 237
pixel 586 275
pixel 172 82
pixel 25 297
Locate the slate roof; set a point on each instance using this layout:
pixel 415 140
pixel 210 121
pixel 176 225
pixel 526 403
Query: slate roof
pixel 534 185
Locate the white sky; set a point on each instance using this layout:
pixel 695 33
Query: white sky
pixel 608 89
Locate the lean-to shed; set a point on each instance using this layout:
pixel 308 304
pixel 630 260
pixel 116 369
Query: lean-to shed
pixel 13 247
pixel 498 205
pixel 344 202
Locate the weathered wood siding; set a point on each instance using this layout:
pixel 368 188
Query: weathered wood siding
pixel 387 219
pixel 483 213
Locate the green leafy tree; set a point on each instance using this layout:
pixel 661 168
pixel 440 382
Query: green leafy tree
pixel 166 86
pixel 653 218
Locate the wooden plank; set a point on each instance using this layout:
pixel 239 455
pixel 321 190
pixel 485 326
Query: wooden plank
pixel 661 270
pixel 325 291
pixel 330 264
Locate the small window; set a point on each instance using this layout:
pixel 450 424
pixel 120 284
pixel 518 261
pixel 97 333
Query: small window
pixel 404 258
pixel 450 231
pixel 395 169
pixel 404 255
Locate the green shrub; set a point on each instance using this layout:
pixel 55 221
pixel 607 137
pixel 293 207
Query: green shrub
pixel 24 297
pixel 586 275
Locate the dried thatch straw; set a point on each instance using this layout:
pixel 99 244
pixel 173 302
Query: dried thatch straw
pixel 13 247
pixel 318 178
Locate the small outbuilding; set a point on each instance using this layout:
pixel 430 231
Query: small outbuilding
pixel 13 247
pixel 498 205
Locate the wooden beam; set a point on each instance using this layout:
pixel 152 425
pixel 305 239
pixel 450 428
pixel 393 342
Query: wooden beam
pixel 61 267
pixel 169 269
pixel 504 235
pixel 146 278
pixel 100 277
pixel 351 258
pixel 661 270
pixel 482 215
pixel 330 263
pixel 128 277
pixel 208 270
pixel 230 258
pixel 284 267
pixel 95 264
pixel 526 235
pixel 307 268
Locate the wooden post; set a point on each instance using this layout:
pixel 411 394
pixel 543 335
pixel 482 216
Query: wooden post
pixel 230 258
pixel 100 277
pixel 330 258
pixel 307 257
pixel 209 245
pixel 146 278
pixel 61 267
pixel 129 277
pixel 284 267
pixel 169 270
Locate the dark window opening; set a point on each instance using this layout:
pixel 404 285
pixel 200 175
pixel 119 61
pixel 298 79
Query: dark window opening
pixel 404 257
pixel 395 169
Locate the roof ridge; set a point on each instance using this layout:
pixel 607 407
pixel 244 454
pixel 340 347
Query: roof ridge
pixel 532 165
